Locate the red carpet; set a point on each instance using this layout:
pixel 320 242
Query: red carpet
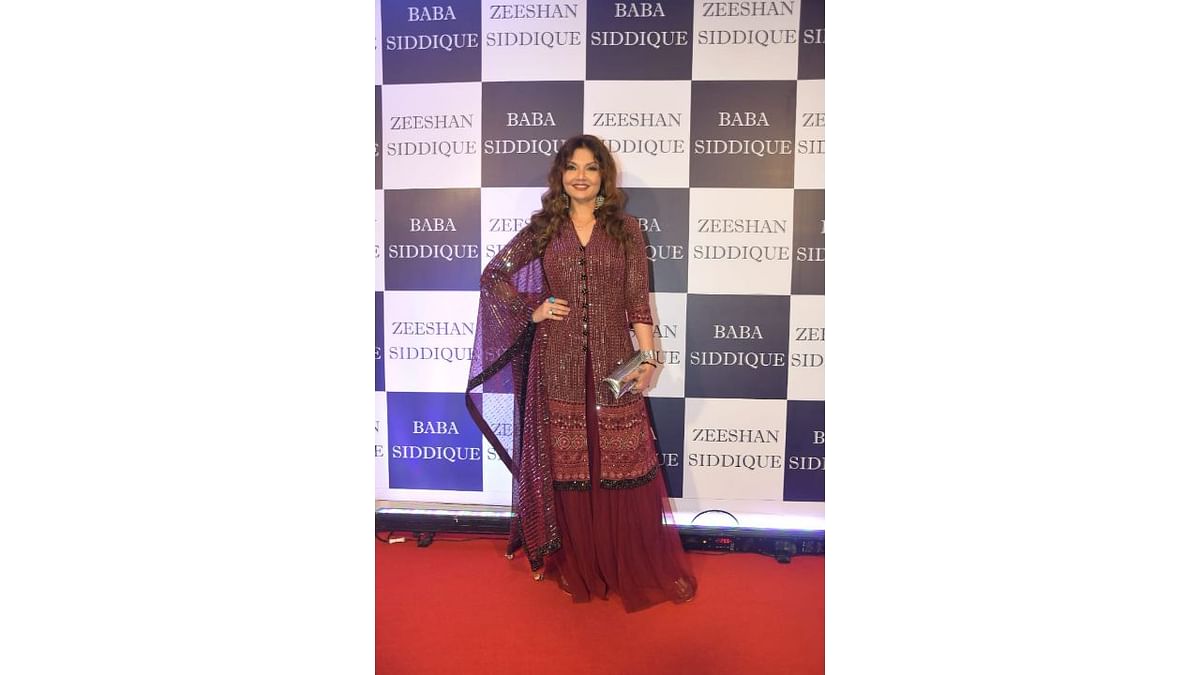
pixel 458 607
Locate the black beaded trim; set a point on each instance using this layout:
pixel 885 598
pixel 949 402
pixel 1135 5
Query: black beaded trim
pixel 630 482
pixel 537 556
pixel 606 483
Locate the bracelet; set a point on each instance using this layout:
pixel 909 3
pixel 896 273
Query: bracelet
pixel 648 356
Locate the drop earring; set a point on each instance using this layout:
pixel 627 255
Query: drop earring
pixel 599 201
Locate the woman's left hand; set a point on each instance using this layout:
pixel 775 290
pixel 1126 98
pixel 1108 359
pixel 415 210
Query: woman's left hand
pixel 642 375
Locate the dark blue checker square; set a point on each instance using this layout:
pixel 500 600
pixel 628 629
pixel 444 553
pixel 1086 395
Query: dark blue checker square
pixel 737 346
pixel 433 443
pixel 524 125
pixel 804 456
pixel 811 56
pixel 666 420
pixel 428 42
pixel 431 239
pixel 663 215
pixel 639 40
pixel 743 134
pixel 380 380
pixel 808 237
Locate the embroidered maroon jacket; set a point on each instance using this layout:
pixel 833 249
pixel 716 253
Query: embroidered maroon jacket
pixel 608 292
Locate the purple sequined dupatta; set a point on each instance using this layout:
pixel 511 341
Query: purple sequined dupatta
pixel 506 394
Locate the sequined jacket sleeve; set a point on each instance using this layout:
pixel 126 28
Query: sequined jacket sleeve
pixel 637 288
pixel 497 282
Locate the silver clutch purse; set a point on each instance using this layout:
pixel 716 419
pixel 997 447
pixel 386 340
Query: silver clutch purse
pixel 629 365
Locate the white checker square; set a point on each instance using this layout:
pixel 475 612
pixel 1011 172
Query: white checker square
pixel 734 448
pixel 762 47
pixel 381 444
pixel 428 339
pixel 504 212
pixel 740 241
pixel 431 135
pixel 806 348
pixel 670 322
pixel 810 134
pixel 380 242
pixel 518 46
pixel 646 124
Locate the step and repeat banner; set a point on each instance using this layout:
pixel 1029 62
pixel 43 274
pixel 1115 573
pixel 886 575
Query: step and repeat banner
pixel 715 113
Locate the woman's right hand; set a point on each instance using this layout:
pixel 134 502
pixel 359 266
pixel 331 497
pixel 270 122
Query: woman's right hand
pixel 552 308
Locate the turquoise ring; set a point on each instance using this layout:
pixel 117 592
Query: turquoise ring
pixel 552 299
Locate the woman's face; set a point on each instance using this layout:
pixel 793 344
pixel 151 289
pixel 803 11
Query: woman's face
pixel 581 176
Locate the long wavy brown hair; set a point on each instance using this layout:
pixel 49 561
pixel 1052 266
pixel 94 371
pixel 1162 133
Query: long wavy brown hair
pixel 556 205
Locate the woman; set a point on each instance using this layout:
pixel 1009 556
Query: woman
pixel 555 309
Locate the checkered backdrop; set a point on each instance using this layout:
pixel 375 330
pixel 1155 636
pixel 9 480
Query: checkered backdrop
pixel 715 113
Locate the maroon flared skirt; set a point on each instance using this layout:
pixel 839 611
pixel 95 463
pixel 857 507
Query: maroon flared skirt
pixel 615 540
